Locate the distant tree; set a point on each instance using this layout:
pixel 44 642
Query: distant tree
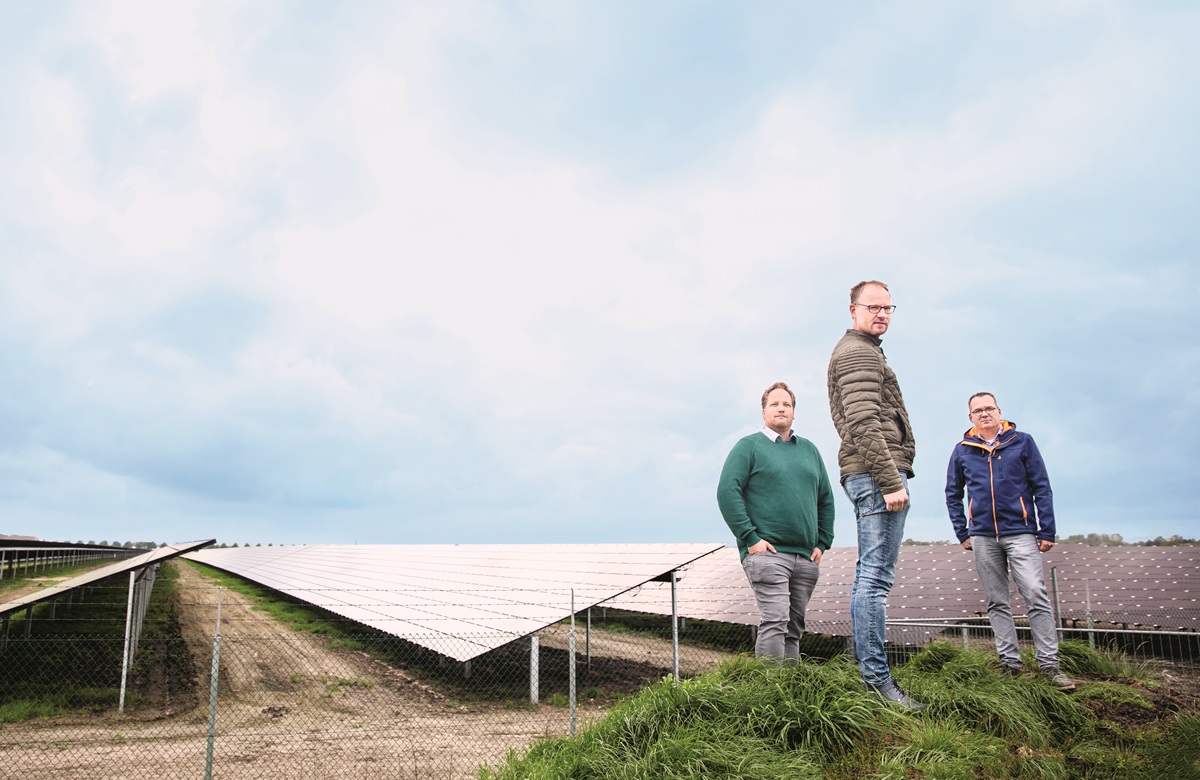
pixel 104 543
pixel 1174 541
pixel 1096 540
pixel 258 545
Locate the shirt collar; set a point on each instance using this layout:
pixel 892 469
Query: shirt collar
pixel 770 434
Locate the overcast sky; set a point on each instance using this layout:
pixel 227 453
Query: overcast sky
pixel 519 272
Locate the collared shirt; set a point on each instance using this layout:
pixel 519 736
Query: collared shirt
pixel 991 443
pixel 773 436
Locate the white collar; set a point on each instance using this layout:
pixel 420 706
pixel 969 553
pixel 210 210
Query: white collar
pixel 773 436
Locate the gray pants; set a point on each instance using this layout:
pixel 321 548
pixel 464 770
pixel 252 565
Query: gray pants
pixel 994 558
pixel 782 584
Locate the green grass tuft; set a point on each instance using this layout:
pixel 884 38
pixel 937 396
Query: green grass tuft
pixel 1080 658
pixel 755 721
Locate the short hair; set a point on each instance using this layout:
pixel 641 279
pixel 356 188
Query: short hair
pixel 977 395
pixel 858 288
pixel 778 386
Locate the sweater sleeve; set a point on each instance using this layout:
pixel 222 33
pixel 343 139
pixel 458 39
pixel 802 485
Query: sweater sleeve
pixel 859 373
pixel 731 493
pixel 956 482
pixel 1039 484
pixel 825 506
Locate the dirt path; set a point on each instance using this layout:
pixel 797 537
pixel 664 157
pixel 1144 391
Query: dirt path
pixel 289 705
pixel 637 647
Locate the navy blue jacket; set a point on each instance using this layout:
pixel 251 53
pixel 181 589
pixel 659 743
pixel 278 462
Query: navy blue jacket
pixel 1008 491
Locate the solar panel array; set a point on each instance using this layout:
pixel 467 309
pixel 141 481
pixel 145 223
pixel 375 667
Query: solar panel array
pixel 1142 586
pixel 458 600
pixel 129 564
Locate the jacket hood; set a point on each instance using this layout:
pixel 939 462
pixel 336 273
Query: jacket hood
pixel 973 432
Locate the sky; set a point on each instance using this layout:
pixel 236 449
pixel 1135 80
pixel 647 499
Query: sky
pixel 483 272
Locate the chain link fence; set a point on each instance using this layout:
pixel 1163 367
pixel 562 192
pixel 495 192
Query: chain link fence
pixel 220 688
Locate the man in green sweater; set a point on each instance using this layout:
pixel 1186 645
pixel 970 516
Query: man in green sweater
pixel 775 496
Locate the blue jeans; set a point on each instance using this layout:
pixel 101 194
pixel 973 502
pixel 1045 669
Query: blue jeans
pixel 994 558
pixel 782 584
pixel 879 535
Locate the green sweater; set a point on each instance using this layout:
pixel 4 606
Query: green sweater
pixel 778 491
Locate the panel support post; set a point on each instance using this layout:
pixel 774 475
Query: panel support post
pixel 534 671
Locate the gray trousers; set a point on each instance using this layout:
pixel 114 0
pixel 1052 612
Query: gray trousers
pixel 994 559
pixel 782 584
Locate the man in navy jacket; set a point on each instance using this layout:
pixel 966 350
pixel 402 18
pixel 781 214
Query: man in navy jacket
pixel 1008 521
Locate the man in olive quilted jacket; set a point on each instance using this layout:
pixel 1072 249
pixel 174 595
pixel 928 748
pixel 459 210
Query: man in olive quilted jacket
pixel 875 460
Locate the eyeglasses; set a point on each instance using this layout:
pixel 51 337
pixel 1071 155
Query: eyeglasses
pixel 875 308
pixel 982 409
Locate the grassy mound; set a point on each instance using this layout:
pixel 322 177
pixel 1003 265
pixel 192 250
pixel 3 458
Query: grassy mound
pixel 751 720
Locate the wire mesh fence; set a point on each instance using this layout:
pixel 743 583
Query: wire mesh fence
pixel 335 699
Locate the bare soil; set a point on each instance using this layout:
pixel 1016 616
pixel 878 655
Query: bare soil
pixel 289 705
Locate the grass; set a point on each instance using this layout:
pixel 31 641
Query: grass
pixel 336 684
pixel 299 615
pixel 1078 657
pixel 54 573
pixel 750 720
pixel 73 662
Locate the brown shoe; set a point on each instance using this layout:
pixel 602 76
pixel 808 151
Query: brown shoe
pixel 1058 679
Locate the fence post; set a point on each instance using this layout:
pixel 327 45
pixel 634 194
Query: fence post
pixel 674 630
pixel 125 656
pixel 966 638
pixel 571 664
pixel 212 693
pixel 1057 607
pixel 1087 588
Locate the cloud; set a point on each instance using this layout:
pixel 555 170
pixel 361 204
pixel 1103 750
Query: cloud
pixel 315 274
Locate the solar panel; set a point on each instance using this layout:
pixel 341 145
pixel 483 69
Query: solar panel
pixel 129 564
pixel 459 600
pixel 1144 586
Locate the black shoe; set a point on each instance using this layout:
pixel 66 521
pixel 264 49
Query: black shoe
pixel 1010 671
pixel 890 692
